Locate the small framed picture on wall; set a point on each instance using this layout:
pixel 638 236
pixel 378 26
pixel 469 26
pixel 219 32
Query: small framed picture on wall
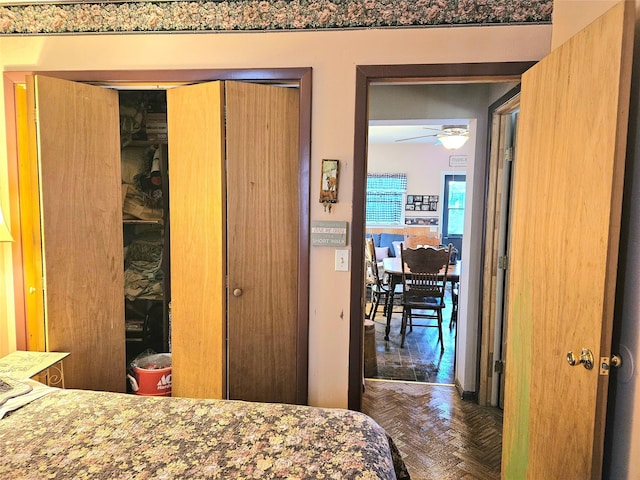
pixel 458 161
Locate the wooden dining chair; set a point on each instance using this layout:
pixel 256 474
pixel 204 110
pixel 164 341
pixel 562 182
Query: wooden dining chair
pixel 424 278
pixel 379 288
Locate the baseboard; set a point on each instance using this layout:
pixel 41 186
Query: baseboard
pixel 466 395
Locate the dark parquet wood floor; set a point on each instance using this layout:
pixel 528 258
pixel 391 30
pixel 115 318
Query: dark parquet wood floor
pixel 421 359
pixel 439 435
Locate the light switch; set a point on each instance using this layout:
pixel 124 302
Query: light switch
pixel 342 260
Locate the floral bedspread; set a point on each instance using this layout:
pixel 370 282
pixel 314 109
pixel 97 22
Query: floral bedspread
pixel 85 434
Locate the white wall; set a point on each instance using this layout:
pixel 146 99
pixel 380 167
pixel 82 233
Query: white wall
pixel 333 57
pixel 429 101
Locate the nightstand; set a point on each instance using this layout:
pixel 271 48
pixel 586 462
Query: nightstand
pixel 20 365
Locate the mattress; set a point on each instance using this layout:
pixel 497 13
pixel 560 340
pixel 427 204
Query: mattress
pixel 86 434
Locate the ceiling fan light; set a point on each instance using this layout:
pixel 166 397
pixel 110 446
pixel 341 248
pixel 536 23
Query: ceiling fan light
pixel 453 142
pixel 453 137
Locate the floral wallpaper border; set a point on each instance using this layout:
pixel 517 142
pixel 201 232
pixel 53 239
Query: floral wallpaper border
pixel 46 18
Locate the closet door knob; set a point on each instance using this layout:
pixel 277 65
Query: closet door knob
pixel 237 292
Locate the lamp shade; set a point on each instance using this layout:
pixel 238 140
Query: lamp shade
pixel 453 138
pixel 5 235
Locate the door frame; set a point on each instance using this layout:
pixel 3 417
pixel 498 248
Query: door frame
pixel 303 77
pixel 489 351
pixel 365 75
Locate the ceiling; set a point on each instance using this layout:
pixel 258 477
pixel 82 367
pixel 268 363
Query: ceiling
pixel 391 131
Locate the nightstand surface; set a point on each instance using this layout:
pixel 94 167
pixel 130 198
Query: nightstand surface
pixel 21 364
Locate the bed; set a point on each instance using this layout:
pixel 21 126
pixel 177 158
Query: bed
pixel 54 433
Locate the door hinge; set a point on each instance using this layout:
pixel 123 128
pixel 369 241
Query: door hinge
pixel 503 262
pixel 508 154
pixel 498 366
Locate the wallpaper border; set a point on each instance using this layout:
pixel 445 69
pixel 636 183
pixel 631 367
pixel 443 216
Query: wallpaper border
pixel 46 18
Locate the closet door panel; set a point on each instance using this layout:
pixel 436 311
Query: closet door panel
pixel 196 206
pixel 32 257
pixel 79 159
pixel 262 234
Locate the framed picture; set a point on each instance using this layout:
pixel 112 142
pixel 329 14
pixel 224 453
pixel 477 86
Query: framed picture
pixel 423 221
pixel 426 203
pixel 458 161
pixel 329 182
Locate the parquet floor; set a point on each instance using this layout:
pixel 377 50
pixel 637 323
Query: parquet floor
pixel 439 435
pixel 421 359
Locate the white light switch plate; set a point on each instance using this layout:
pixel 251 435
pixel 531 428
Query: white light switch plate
pixel 342 260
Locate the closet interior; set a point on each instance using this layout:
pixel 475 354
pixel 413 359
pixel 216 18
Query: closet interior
pixel 145 220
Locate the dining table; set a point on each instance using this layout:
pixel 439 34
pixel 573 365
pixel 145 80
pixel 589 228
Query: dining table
pixel 393 269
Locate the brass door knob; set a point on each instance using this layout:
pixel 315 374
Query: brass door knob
pixel 237 292
pixel 585 359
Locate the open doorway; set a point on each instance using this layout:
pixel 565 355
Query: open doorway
pixel 478 76
pixel 415 196
pixel 417 187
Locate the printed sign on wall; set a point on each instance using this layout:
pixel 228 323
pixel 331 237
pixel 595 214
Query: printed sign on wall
pixel 329 234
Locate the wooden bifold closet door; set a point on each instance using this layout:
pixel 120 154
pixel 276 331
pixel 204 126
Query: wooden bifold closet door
pixel 233 150
pixel 76 137
pixel 234 206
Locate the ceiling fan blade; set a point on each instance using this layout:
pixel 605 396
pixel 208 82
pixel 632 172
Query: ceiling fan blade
pixel 414 138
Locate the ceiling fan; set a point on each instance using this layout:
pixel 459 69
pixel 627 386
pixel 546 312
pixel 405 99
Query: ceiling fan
pixel 450 136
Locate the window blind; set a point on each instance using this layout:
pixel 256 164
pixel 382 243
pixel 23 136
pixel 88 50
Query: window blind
pixel 385 198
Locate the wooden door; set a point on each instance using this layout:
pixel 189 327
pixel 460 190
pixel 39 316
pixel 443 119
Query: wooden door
pixel 564 248
pixel 195 116
pixel 262 236
pixel 234 221
pixel 78 144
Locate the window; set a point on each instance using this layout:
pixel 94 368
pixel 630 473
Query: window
pixel 385 198
pixel 455 189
